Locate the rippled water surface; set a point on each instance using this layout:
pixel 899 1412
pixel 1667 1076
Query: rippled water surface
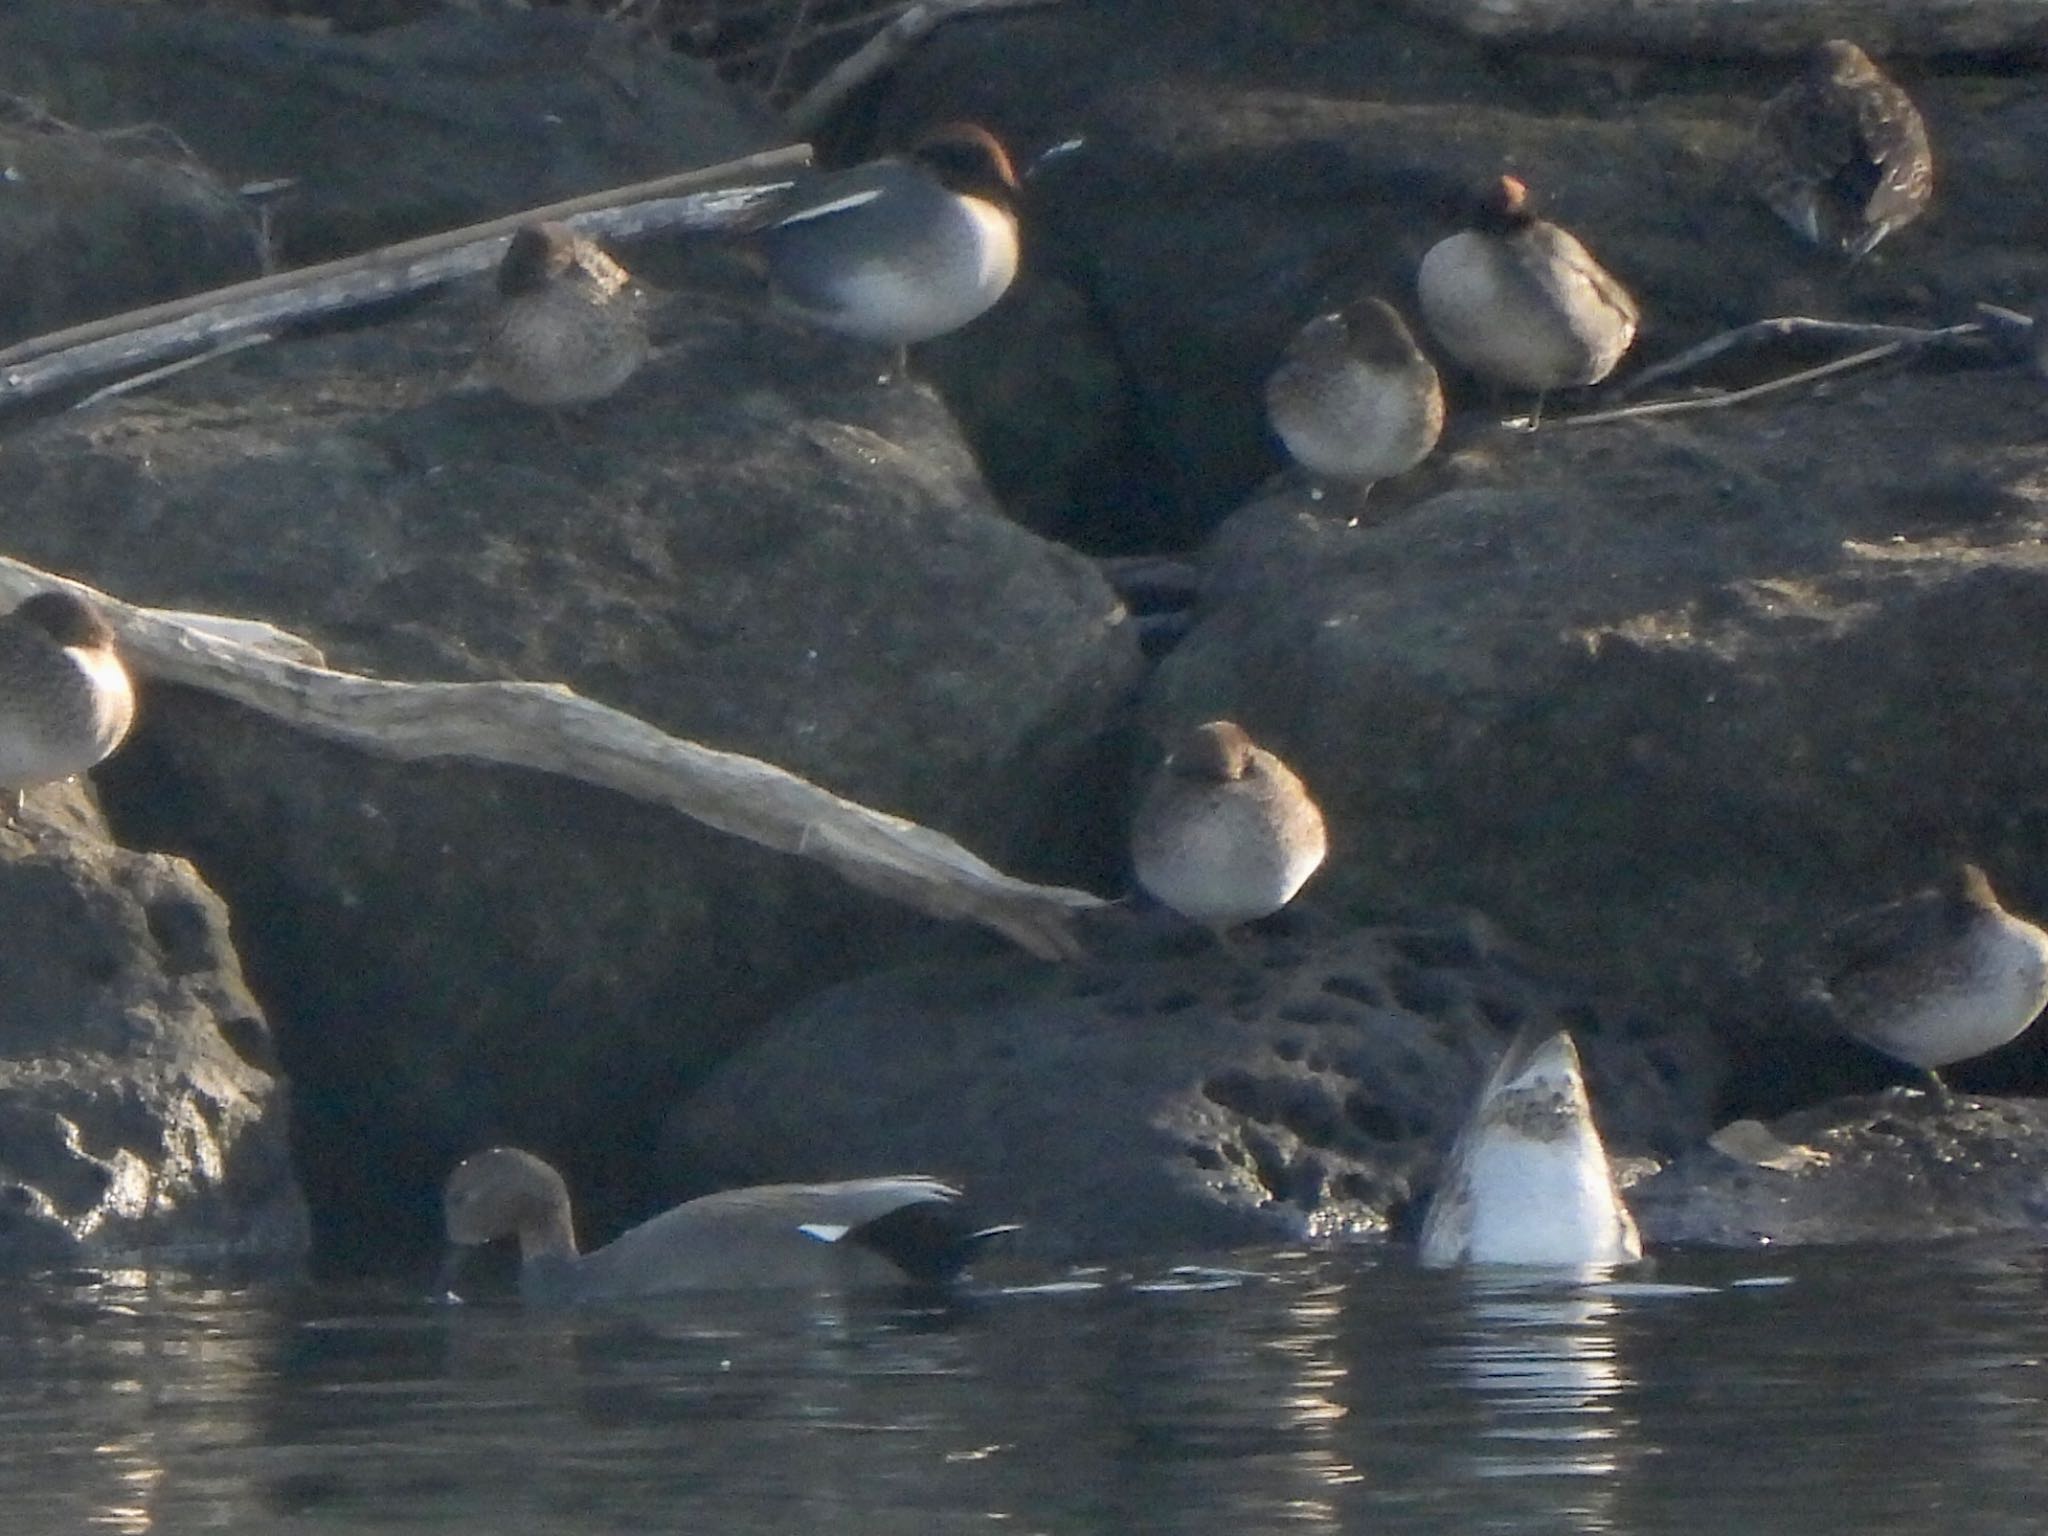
pixel 1857 1391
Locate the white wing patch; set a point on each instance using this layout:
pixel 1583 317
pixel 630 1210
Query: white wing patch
pixel 837 205
pixel 823 1231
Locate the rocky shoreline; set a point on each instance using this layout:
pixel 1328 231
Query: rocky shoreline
pixel 1658 698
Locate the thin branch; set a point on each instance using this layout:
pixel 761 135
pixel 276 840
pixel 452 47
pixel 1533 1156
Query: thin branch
pixel 711 198
pixel 548 727
pixel 1780 327
pixel 1731 397
pixel 881 53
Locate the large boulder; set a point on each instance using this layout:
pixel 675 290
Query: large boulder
pixel 1243 167
pixel 1169 1095
pixel 754 545
pixel 142 1111
pixel 1666 696
pixel 123 185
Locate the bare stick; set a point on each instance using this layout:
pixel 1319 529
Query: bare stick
pixel 712 198
pixel 133 382
pixel 551 728
pixel 880 53
pixel 1780 327
pixel 1732 397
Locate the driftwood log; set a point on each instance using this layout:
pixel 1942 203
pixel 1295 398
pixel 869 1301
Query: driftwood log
pixel 715 197
pixel 549 727
pixel 1752 28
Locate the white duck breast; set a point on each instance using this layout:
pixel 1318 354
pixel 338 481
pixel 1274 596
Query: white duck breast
pixel 1528 1181
pixel 896 258
pixel 1552 322
pixel 1227 865
pixel 1992 986
pixel 62 709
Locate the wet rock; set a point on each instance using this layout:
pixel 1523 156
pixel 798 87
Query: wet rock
pixel 1169 1095
pixel 1668 697
pixel 142 1111
pixel 753 545
pixel 407 131
pixel 1245 167
pixel 1882 1168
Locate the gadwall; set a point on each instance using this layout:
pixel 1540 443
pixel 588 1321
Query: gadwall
pixel 1520 302
pixel 570 326
pixel 901 249
pixel 1225 832
pixel 65 698
pixel 1841 154
pixel 1936 977
pixel 1354 399
pixel 1528 1181
pixel 860 1232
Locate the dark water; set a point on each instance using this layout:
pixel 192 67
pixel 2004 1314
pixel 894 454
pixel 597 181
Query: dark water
pixel 1859 1391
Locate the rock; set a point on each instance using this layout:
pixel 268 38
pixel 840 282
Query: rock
pixel 142 1111
pixel 93 224
pixel 407 131
pixel 1668 697
pixel 1894 1167
pixel 1245 167
pixel 1170 1096
pixel 752 545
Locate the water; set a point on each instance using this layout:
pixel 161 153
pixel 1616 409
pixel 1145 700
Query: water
pixel 1862 1391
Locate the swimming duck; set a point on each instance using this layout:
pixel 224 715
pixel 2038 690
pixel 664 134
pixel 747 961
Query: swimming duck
pixel 862 1232
pixel 1528 1181
pixel 570 325
pixel 1225 832
pixel 901 249
pixel 1841 154
pixel 66 701
pixel 1519 301
pixel 1354 399
pixel 1936 977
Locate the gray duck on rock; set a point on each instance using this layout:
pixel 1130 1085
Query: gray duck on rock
pixel 570 327
pixel 1936 977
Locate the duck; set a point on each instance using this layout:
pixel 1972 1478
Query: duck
pixel 66 699
pixel 897 1229
pixel 570 326
pixel 1225 832
pixel 900 249
pixel 1528 1181
pixel 1517 301
pixel 1354 399
pixel 1937 977
pixel 1841 154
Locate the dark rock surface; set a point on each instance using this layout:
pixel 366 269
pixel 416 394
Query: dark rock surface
pixel 142 1112
pixel 403 132
pixel 1883 1168
pixel 1246 166
pixel 753 545
pixel 1170 1095
pixel 1667 696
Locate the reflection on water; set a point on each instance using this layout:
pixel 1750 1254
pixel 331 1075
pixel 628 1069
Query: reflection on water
pixel 1343 1392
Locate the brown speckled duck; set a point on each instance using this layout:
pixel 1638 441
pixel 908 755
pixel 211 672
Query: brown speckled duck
pixel 570 326
pixel 1354 399
pixel 1225 832
pixel 1841 154
pixel 1520 302
pixel 66 701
